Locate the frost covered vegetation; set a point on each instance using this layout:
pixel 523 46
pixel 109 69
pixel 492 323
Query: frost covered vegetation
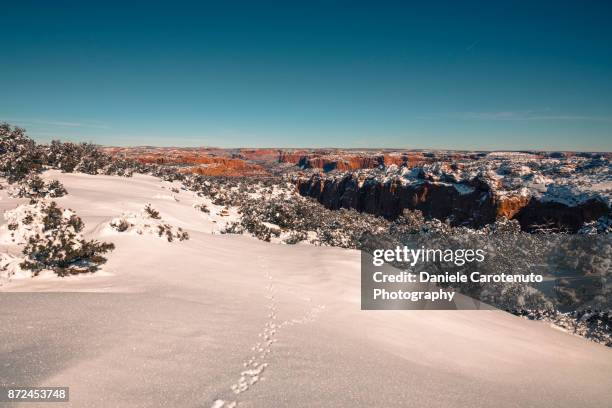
pixel 148 221
pixel 52 239
pixel 34 188
pixel 21 157
pixel 300 219
pixel 270 208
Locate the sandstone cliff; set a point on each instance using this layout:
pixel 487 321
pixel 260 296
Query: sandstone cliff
pixel 473 203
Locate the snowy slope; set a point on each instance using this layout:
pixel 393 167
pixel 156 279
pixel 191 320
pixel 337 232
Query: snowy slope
pixel 219 319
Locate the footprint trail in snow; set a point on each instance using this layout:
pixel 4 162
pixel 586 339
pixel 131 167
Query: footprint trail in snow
pixel 255 366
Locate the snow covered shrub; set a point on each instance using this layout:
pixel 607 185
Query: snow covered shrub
pixel 120 167
pixel 87 158
pixel 55 189
pixel 295 237
pixel 233 228
pixel 201 207
pixel 331 237
pixel 151 212
pixel 603 225
pixel 64 156
pixel 218 198
pixel 166 173
pixel 34 187
pixel 253 226
pixel 53 240
pixel 93 160
pixel 19 155
pixel 167 231
pixel 121 224
pixel 70 157
pixel 258 228
pixel 410 222
pixel 344 228
pixel 147 221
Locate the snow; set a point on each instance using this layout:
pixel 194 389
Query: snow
pixel 512 155
pixel 10 269
pixel 166 197
pixel 181 323
pixel 463 189
pixel 572 195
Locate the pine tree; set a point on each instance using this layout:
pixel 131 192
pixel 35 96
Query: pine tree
pixel 19 155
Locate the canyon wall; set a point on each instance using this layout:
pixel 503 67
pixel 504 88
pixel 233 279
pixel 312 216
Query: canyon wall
pixel 349 162
pixel 473 204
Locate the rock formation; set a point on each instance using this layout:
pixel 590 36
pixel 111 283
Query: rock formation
pixel 538 192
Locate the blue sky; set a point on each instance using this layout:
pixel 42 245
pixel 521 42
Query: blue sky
pixel 462 75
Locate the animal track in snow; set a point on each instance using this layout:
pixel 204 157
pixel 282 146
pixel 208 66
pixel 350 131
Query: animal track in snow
pixel 255 365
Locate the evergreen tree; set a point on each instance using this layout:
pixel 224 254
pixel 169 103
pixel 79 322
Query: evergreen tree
pixel 19 155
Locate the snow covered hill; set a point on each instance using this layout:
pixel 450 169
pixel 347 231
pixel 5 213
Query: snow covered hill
pixel 223 320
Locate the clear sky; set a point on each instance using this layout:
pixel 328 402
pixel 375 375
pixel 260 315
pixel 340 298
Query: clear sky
pixel 456 74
